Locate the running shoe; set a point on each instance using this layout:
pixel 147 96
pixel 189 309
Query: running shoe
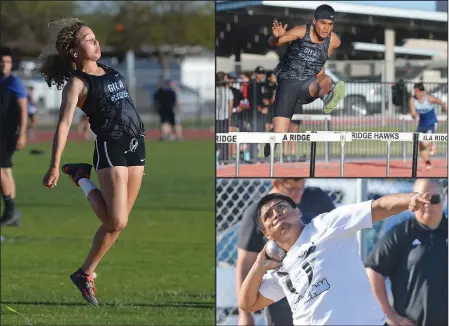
pixel 334 97
pixel 10 217
pixel 77 171
pixel 85 283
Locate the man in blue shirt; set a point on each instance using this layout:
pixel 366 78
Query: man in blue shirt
pixel 12 132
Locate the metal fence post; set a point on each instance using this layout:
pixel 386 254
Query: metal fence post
pixel 342 154
pixel 327 145
pixel 404 144
pixel 237 161
pixel 388 157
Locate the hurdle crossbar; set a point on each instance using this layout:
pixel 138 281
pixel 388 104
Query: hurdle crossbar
pixel 328 136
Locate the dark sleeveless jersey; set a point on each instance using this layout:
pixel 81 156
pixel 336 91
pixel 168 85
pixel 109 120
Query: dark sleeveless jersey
pixel 109 107
pixel 303 59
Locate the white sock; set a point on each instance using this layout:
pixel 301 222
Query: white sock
pixel 87 185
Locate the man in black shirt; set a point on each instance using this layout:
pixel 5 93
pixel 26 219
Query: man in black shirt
pixel 414 256
pixel 166 101
pixel 312 201
pixel 237 104
pixel 256 90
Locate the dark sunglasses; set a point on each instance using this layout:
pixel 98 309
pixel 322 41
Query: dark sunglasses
pixel 435 199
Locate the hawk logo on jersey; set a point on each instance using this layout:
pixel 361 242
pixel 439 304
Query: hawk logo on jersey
pixel 301 285
pixel 306 267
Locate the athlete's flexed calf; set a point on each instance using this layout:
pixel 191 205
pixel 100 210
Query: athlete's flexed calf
pixel 300 73
pixel 322 275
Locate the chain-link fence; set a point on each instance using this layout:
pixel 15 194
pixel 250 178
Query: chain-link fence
pixel 234 196
pixel 374 107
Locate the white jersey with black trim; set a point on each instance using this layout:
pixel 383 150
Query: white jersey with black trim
pixel 323 276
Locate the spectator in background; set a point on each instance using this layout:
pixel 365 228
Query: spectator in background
pixel 271 86
pixel 266 110
pixel 13 133
pixel 400 96
pixel 33 108
pixel 414 256
pixel 166 102
pixel 312 201
pixel 245 79
pixel 255 92
pixel 224 100
pixel 246 116
pixel 237 108
pixel 237 103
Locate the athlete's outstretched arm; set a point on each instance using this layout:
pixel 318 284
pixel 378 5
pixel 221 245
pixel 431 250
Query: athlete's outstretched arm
pixel 70 96
pixel 433 99
pixel 282 36
pixel 411 104
pixel 393 204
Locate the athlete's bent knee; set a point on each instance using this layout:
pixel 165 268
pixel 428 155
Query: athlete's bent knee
pixel 325 81
pixel 117 224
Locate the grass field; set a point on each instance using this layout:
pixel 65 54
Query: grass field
pixel 160 271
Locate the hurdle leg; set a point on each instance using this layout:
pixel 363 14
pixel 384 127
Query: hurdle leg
pixel 404 144
pixel 272 159
pixel 388 157
pixel 312 159
pixel 281 153
pixel 415 154
pixel 237 161
pixel 342 155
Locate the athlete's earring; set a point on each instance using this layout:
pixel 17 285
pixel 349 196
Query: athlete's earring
pixel 75 55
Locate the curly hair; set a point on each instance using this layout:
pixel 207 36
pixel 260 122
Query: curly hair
pixel 57 67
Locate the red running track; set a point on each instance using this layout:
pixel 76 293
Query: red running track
pixel 351 169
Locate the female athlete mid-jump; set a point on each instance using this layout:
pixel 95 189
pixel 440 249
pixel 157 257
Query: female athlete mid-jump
pixel 119 153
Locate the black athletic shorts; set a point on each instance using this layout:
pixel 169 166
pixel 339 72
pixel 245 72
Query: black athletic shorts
pixel 125 151
pixel 289 94
pixel 7 149
pixel 168 116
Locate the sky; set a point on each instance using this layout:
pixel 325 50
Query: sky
pixel 419 5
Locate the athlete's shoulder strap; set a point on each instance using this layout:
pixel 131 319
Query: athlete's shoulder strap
pixel 102 65
pixel 307 34
pixel 79 73
pixel 327 42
